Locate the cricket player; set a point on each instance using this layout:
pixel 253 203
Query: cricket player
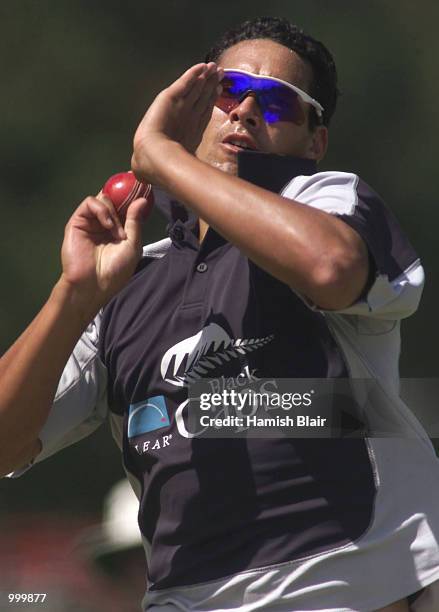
pixel 271 269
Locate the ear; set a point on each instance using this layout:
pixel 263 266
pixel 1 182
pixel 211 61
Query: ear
pixel 318 143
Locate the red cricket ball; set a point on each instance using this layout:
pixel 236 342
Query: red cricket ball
pixel 123 188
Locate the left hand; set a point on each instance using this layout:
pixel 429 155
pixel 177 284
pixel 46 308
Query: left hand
pixel 180 113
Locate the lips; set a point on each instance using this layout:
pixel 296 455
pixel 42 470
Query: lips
pixel 239 142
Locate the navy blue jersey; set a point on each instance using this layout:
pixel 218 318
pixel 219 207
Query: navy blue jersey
pixel 211 508
pixel 261 524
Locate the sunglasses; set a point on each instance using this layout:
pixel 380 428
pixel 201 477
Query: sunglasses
pixel 277 99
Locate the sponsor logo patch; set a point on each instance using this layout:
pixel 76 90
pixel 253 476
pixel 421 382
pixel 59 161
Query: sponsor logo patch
pixel 148 415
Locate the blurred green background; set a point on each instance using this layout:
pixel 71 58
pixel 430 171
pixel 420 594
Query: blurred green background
pixel 78 76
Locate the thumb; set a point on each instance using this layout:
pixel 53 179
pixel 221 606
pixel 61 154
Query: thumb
pixel 137 212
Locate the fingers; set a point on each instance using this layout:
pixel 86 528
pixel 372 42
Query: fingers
pixel 208 92
pixel 136 215
pixel 99 214
pixel 205 91
pixel 197 83
pixel 208 102
pixel 183 86
pixel 118 228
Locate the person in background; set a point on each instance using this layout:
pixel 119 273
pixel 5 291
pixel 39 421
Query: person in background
pixel 114 550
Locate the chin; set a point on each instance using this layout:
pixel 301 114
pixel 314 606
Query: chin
pixel 217 159
pixel 230 167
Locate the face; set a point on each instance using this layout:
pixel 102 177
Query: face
pixel 265 57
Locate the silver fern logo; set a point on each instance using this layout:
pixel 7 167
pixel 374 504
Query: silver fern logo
pixel 193 358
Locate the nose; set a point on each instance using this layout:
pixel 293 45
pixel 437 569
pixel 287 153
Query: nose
pixel 247 112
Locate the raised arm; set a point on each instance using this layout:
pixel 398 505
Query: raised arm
pixel 313 252
pixel 98 258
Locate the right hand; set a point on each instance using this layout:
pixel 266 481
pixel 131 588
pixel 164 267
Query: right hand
pixel 98 255
pixel 180 114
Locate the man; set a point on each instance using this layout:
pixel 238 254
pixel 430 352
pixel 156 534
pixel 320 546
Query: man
pixel 315 280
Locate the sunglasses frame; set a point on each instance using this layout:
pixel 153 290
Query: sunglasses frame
pixel 302 94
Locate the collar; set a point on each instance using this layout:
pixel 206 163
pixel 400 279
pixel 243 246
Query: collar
pixel 272 172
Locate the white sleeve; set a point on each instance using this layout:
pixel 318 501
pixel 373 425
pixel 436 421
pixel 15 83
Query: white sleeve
pixel 80 403
pixel 395 290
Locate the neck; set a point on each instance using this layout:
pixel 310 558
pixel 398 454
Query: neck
pixel 203 226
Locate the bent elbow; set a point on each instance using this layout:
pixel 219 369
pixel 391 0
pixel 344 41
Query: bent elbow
pixel 339 281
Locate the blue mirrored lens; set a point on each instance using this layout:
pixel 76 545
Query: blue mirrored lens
pixel 276 101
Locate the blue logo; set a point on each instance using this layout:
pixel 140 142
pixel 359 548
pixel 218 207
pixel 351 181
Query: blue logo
pixel 149 415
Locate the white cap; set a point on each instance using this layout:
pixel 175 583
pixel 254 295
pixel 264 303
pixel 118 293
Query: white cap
pixel 119 529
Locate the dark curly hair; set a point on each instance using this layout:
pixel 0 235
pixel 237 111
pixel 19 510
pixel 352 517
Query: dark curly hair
pixel 280 30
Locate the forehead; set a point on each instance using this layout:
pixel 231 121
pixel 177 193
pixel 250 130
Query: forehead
pixel 269 58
